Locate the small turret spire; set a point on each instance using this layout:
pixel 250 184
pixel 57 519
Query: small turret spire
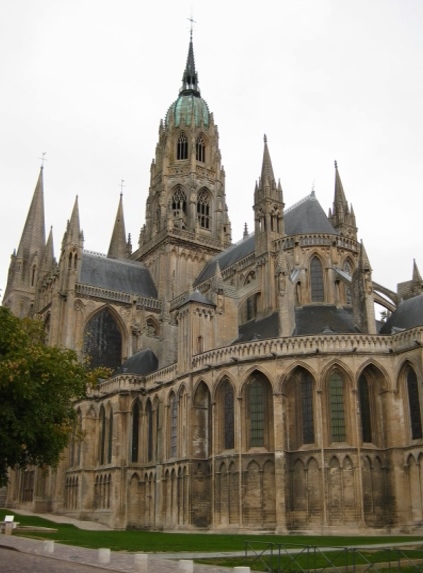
pixel 73 232
pixel 341 215
pixel 118 248
pixel 416 273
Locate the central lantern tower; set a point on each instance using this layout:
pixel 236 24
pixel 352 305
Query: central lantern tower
pixel 186 214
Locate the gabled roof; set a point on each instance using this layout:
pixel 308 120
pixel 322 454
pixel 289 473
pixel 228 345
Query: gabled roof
pixel 123 276
pixel 307 216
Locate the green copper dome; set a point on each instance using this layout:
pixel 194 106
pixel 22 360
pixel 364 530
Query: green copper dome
pixel 187 107
pixel 189 104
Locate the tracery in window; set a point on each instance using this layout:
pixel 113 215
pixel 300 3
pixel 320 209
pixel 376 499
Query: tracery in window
pixel 203 209
pixel 316 280
pixel 337 408
pixel 179 207
pixel 200 149
pixel 182 146
pixel 365 412
pixel 414 404
pixel 110 437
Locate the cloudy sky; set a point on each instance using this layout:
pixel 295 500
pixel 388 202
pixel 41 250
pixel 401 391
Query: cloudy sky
pixel 87 81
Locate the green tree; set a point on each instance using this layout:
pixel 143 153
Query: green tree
pixel 38 386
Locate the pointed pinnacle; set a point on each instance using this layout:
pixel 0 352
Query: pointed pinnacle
pixel 416 273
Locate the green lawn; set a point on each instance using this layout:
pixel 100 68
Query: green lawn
pixel 175 542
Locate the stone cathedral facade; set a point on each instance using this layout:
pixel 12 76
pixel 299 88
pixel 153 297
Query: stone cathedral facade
pixel 252 387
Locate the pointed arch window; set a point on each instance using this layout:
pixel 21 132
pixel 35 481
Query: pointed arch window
pixel 102 435
pixel 203 209
pixel 365 411
pixel 316 280
pixel 103 340
pixel 200 149
pixel 256 395
pixel 179 207
pixel 149 432
pixel 228 415
pixel 337 408
pixel 306 386
pixel 348 292
pixel 110 437
pixel 135 432
pixel 414 404
pixel 182 146
pixel 173 426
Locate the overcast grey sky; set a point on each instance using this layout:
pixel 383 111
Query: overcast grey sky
pixel 87 81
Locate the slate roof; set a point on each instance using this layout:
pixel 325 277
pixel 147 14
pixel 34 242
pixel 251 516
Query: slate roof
pixel 263 328
pixel 141 363
pixel 305 217
pixel 408 315
pixel 323 319
pixel 227 258
pixel 311 319
pixel 123 276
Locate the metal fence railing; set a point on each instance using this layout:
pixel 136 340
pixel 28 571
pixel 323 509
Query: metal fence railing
pixel 292 558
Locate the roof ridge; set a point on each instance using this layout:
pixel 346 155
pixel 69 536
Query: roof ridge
pixel 300 202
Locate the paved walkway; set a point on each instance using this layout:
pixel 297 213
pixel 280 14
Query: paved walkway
pixel 120 561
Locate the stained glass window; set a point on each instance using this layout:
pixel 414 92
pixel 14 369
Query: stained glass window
pixel 228 415
pixel 316 280
pixel 256 409
pixel 173 426
pixel 135 431
pixel 414 402
pixel 366 421
pixel 337 409
pixel 307 408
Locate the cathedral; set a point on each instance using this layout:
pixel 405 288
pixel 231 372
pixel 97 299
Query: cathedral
pixel 252 387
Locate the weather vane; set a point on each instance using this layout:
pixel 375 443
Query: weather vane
pixel 43 158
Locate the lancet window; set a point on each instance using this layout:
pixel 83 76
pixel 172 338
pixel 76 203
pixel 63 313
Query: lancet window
pixel 365 411
pixel 173 425
pixel 228 415
pixel 203 209
pixel 337 408
pixel 179 207
pixel 182 146
pixel 135 432
pixel 200 149
pixel 316 280
pixel 306 386
pixel 414 404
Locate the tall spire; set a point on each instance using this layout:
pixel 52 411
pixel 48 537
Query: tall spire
pixel 34 235
pixel 190 77
pixel 118 248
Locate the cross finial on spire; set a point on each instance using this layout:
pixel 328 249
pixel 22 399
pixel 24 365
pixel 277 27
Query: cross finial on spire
pixel 192 21
pixel 121 185
pixel 265 138
pixel 336 164
pixel 43 158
